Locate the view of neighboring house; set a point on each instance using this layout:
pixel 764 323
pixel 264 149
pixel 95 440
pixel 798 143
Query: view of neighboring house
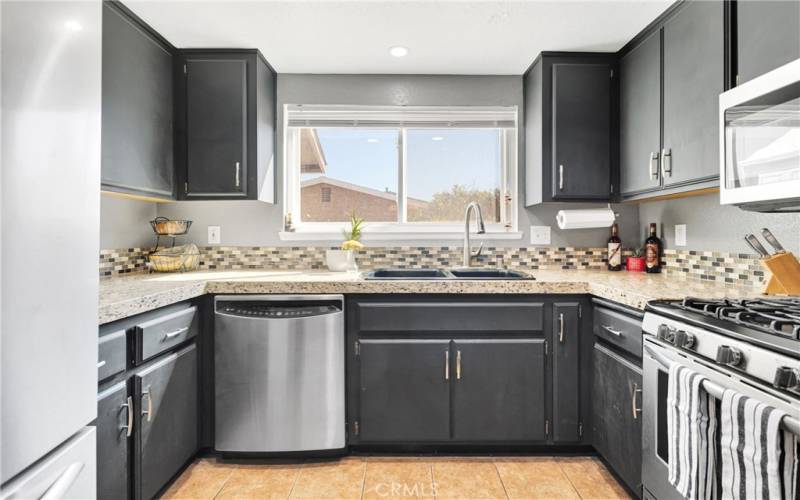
pixel 324 199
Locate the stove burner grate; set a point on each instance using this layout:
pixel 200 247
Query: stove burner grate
pixel 778 316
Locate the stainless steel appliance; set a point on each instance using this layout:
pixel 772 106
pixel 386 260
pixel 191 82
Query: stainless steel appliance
pixel 759 142
pixel 279 373
pixel 752 346
pixel 51 100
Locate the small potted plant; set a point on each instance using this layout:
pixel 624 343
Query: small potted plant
pixel 344 259
pixel 635 263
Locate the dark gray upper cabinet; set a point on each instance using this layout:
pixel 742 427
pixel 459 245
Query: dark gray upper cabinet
pixel 404 392
pixel 767 36
pixel 640 117
pixel 499 390
pixel 694 76
pixel 228 125
pixel 570 128
pixel 166 395
pixel 137 107
pixel 114 407
pixel 567 425
pixel 616 402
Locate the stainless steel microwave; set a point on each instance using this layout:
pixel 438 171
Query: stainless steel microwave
pixel 760 142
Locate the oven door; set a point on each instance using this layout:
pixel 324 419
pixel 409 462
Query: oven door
pixel 760 142
pixel 655 436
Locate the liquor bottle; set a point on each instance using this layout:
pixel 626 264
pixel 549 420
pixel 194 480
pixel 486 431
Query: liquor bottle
pixel 652 251
pixel 614 249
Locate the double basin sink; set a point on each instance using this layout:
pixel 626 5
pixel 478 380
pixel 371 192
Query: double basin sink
pixel 466 273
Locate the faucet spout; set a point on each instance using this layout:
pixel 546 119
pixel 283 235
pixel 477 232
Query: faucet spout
pixel 473 206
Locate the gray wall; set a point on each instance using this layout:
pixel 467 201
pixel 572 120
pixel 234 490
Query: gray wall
pixel 254 223
pixel 124 223
pixel 711 226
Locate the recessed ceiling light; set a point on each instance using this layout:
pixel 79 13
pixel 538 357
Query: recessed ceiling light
pixel 437 138
pixel 372 140
pixel 398 51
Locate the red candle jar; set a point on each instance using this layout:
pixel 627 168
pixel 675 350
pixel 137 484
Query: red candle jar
pixel 635 264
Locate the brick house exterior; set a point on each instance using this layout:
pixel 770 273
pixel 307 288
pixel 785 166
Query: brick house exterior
pixel 323 199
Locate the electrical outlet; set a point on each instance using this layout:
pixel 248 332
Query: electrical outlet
pixel 214 235
pixel 540 235
pixel 680 235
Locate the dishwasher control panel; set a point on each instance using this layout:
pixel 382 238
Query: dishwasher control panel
pixel 270 311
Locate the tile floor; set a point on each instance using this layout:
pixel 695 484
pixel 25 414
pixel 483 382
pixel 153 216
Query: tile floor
pixel 373 477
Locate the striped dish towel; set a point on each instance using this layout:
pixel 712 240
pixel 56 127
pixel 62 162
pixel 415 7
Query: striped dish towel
pixel 759 460
pixel 692 426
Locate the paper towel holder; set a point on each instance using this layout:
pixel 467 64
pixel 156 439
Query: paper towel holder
pixel 587 218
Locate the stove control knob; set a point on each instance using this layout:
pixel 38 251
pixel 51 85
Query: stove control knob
pixel 683 339
pixel 728 355
pixel 787 378
pixel 665 333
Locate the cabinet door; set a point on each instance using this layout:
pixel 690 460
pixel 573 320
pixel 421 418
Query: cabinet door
pixel 616 414
pixel 693 79
pixel 566 372
pixel 640 117
pixel 581 130
pixel 137 150
pixel 166 393
pixel 216 127
pixel 405 390
pixel 767 36
pixel 114 416
pixel 499 390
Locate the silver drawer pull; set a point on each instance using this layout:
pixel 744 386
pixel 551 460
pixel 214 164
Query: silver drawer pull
pixel 238 170
pixel 561 177
pixel 666 163
pixel 447 365
pixel 611 330
pixel 652 166
pixel 634 409
pixel 561 327
pixel 172 335
pixel 149 411
pixel 458 365
pixel 129 426
pixel 101 364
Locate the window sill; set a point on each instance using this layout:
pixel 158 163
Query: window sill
pixel 316 235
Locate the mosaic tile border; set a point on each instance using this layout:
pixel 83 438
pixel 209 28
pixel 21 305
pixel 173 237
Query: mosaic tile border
pixel 722 267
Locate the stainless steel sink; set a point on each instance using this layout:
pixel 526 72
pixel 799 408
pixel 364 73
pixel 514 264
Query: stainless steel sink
pixel 446 274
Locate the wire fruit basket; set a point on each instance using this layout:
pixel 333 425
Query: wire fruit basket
pixel 172 258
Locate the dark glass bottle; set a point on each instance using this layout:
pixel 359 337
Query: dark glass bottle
pixel 652 251
pixel 614 250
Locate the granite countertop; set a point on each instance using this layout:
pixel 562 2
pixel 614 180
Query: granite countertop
pixel 130 295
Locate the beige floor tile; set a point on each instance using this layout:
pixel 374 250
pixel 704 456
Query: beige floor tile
pixel 591 479
pixel 404 478
pixel 200 481
pixel 260 481
pixel 470 479
pixel 341 479
pixel 534 478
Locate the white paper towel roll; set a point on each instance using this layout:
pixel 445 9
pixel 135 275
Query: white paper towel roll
pixel 584 219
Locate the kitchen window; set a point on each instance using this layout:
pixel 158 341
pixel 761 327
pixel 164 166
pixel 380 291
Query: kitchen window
pixel 409 172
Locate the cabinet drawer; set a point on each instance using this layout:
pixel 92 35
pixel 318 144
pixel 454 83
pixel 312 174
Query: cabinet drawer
pixel 450 316
pixel 164 332
pixel 110 354
pixel 619 329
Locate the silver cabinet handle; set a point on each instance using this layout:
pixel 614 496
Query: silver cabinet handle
pixel 561 177
pixel 171 335
pixel 129 425
pixel 238 171
pixel 458 365
pixel 634 409
pixel 447 365
pixel 611 330
pixel 666 163
pixel 101 364
pixel 652 165
pixel 61 486
pixel 149 411
pixel 561 327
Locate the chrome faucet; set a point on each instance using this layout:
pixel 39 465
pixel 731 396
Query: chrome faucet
pixel 468 255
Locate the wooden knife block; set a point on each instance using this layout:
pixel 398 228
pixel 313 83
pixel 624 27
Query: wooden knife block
pixel 785 271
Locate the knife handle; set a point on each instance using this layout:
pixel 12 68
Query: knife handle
pixel 756 245
pixel 772 240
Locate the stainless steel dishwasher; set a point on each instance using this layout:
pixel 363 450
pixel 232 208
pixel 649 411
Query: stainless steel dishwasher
pixel 279 373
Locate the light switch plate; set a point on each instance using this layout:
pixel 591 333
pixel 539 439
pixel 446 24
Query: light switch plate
pixel 680 235
pixel 540 235
pixel 213 235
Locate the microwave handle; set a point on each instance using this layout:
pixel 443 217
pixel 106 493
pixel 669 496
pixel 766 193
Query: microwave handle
pixel 666 163
pixel 652 165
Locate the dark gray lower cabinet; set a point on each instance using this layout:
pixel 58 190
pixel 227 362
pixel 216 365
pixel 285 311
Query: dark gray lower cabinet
pixel 114 406
pixel 616 402
pixel 567 425
pixel 404 390
pixel 498 390
pixel 166 392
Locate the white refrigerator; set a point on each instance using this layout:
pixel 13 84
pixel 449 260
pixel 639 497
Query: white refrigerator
pixel 49 205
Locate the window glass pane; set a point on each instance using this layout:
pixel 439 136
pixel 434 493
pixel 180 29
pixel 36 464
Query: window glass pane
pixel 448 168
pixel 346 170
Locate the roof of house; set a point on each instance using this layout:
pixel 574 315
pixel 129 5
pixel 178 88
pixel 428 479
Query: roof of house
pixel 312 157
pixel 388 195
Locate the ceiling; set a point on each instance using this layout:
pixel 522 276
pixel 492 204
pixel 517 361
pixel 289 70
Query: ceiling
pixel 443 36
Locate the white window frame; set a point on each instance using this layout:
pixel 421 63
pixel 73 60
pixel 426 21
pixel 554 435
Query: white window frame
pixel 387 231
